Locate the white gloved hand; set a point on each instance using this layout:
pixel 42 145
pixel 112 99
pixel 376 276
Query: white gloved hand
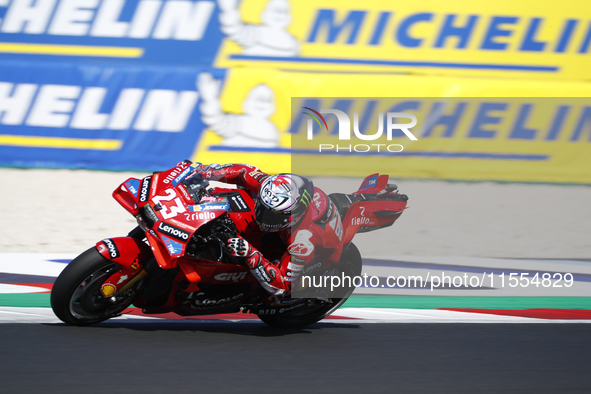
pixel 239 247
pixel 208 86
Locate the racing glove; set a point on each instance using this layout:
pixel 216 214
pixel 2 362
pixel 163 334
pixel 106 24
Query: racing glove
pixel 262 269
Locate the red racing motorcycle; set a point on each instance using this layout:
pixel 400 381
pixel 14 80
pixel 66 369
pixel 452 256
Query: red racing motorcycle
pixel 177 260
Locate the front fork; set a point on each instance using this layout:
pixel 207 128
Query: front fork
pixel 132 256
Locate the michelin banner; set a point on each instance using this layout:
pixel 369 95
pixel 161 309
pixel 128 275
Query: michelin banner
pixel 505 38
pixel 465 129
pixel 463 138
pixel 73 115
pixel 174 32
pixel 128 118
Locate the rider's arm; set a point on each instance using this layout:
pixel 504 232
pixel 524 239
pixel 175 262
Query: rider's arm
pixel 244 175
pixel 262 269
pixel 299 253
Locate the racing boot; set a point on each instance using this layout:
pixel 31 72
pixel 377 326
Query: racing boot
pixel 262 269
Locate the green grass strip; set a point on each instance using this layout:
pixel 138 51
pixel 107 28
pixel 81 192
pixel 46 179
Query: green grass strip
pixel 34 300
pixel 41 300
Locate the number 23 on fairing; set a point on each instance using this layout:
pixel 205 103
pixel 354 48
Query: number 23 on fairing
pixel 168 212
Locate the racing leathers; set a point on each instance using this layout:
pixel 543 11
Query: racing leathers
pixel 316 237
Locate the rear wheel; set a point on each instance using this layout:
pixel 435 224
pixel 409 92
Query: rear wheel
pixel 349 265
pixel 76 297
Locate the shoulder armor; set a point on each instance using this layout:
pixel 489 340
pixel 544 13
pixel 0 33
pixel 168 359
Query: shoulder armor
pixel 322 207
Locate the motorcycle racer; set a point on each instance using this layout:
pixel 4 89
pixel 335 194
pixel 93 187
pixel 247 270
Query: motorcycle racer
pixel 306 219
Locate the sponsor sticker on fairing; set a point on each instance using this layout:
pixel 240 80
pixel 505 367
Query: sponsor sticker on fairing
pixel 230 276
pixel 145 189
pixel 218 301
pixel 132 185
pixel 209 207
pixel 356 221
pixel 369 183
pixel 175 172
pixel 237 203
pixel 174 232
pixel 112 248
pixel 182 225
pixel 173 247
pixel 185 195
pixel 150 214
pixel 199 216
pixel 135 265
pixel 182 175
pixel 108 289
pixel 208 199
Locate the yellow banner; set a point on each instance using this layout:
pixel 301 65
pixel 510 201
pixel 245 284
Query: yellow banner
pixel 505 38
pixel 467 128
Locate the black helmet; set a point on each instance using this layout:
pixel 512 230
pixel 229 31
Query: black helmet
pixel 283 201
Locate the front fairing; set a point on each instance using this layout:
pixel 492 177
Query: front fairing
pixel 171 213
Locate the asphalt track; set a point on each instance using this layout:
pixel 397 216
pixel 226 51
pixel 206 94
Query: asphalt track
pixel 356 353
pixel 205 357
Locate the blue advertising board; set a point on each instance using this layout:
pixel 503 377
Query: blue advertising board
pixel 112 31
pixel 116 117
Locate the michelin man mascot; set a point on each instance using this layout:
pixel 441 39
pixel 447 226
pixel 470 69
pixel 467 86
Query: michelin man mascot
pixel 270 38
pixel 253 128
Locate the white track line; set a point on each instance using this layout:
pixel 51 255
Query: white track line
pixel 359 315
pixel 7 288
pixel 381 315
pixel 33 263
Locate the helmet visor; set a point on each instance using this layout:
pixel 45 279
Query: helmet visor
pixel 269 220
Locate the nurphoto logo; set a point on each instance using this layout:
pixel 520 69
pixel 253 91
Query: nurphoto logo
pixel 344 127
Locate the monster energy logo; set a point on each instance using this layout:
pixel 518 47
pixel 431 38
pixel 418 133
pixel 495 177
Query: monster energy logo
pixel 306 198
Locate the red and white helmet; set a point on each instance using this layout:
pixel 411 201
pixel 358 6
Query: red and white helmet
pixel 283 201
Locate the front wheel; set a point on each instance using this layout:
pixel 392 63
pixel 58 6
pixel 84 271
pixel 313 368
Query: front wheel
pixel 349 265
pixel 76 297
